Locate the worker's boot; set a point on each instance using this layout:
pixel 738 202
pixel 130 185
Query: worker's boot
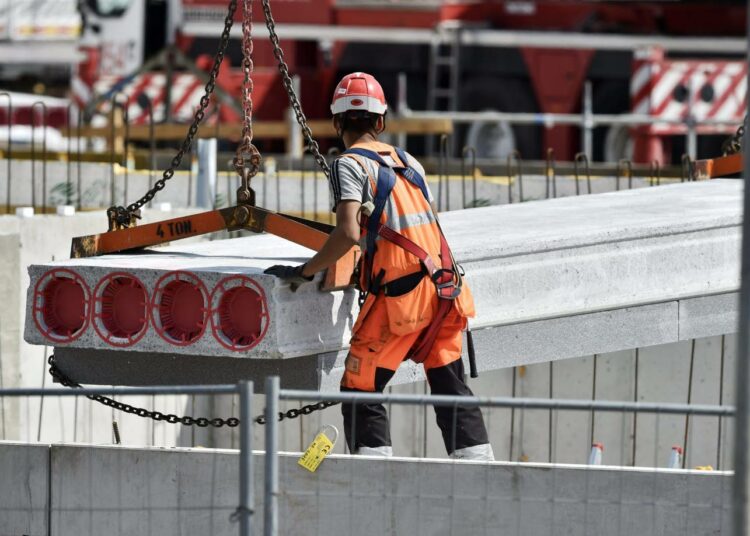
pixel 477 452
pixel 375 451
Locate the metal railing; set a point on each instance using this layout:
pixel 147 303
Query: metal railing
pixel 245 511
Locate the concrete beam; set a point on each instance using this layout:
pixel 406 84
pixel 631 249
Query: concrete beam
pixel 562 278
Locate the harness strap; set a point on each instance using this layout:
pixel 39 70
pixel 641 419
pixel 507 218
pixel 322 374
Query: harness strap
pixel 444 277
pixel 386 182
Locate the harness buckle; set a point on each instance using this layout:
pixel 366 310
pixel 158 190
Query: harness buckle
pixel 450 285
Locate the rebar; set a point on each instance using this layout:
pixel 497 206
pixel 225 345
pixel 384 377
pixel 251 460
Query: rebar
pixel 628 166
pixel 550 174
pixel 472 152
pixel 582 158
pixel 515 156
pixel 655 175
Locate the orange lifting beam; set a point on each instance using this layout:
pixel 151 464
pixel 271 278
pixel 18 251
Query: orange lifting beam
pixel 307 233
pixel 717 167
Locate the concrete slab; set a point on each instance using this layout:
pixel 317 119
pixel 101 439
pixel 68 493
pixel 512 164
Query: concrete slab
pixel 191 491
pixel 601 273
pixel 24 497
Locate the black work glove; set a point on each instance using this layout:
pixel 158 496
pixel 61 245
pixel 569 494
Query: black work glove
pixel 290 274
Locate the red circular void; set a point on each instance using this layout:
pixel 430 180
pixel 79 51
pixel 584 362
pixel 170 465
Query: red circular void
pixel 239 314
pixel 61 305
pixel 179 308
pixel 121 309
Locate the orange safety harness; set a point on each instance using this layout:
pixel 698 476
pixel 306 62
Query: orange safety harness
pixel 447 277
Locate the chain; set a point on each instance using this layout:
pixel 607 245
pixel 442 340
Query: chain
pixel 286 79
pixel 202 422
pixel 733 145
pixel 123 214
pixel 246 147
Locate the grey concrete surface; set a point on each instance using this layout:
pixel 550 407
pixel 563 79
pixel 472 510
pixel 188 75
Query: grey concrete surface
pixel 121 491
pixel 24 497
pixel 601 259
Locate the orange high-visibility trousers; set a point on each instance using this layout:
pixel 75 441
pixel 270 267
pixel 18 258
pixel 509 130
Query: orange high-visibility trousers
pixel 374 357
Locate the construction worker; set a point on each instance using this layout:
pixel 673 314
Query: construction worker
pixel 413 303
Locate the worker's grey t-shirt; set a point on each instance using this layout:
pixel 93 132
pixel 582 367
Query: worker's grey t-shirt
pixel 350 182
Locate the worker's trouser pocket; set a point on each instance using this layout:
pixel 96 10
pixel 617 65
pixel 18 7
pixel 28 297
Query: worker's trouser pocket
pixel 412 311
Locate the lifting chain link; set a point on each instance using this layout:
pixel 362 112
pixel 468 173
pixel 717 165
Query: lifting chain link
pixel 171 418
pixel 733 145
pixel 123 215
pixel 247 159
pixel 286 79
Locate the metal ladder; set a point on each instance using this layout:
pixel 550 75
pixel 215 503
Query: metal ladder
pixel 443 73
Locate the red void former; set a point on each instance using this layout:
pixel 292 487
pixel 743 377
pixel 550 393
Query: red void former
pixel 179 308
pixel 120 315
pixel 239 313
pixel 61 305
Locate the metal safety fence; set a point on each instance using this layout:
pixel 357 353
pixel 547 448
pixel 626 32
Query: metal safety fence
pixel 349 494
pixel 57 165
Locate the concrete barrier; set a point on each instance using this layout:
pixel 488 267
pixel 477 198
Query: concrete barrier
pixel 24 489
pixel 119 491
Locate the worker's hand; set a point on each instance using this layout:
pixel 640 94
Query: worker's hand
pixel 290 274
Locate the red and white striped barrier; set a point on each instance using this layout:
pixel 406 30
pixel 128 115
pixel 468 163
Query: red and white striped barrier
pixel 676 90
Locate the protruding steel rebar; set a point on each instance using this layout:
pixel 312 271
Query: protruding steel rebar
pixel 627 165
pixel 515 156
pixel 550 174
pixel 655 178
pixel 472 153
pixel 581 158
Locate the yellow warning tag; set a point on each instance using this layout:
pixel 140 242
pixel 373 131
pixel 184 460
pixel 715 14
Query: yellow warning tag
pixel 316 452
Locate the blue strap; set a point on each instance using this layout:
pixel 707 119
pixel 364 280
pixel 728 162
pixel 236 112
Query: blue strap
pixel 411 174
pixel 385 183
pixel 408 172
pixel 366 153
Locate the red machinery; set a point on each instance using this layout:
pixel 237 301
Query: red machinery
pixel 512 56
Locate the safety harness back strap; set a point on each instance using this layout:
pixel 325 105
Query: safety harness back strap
pixel 447 280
